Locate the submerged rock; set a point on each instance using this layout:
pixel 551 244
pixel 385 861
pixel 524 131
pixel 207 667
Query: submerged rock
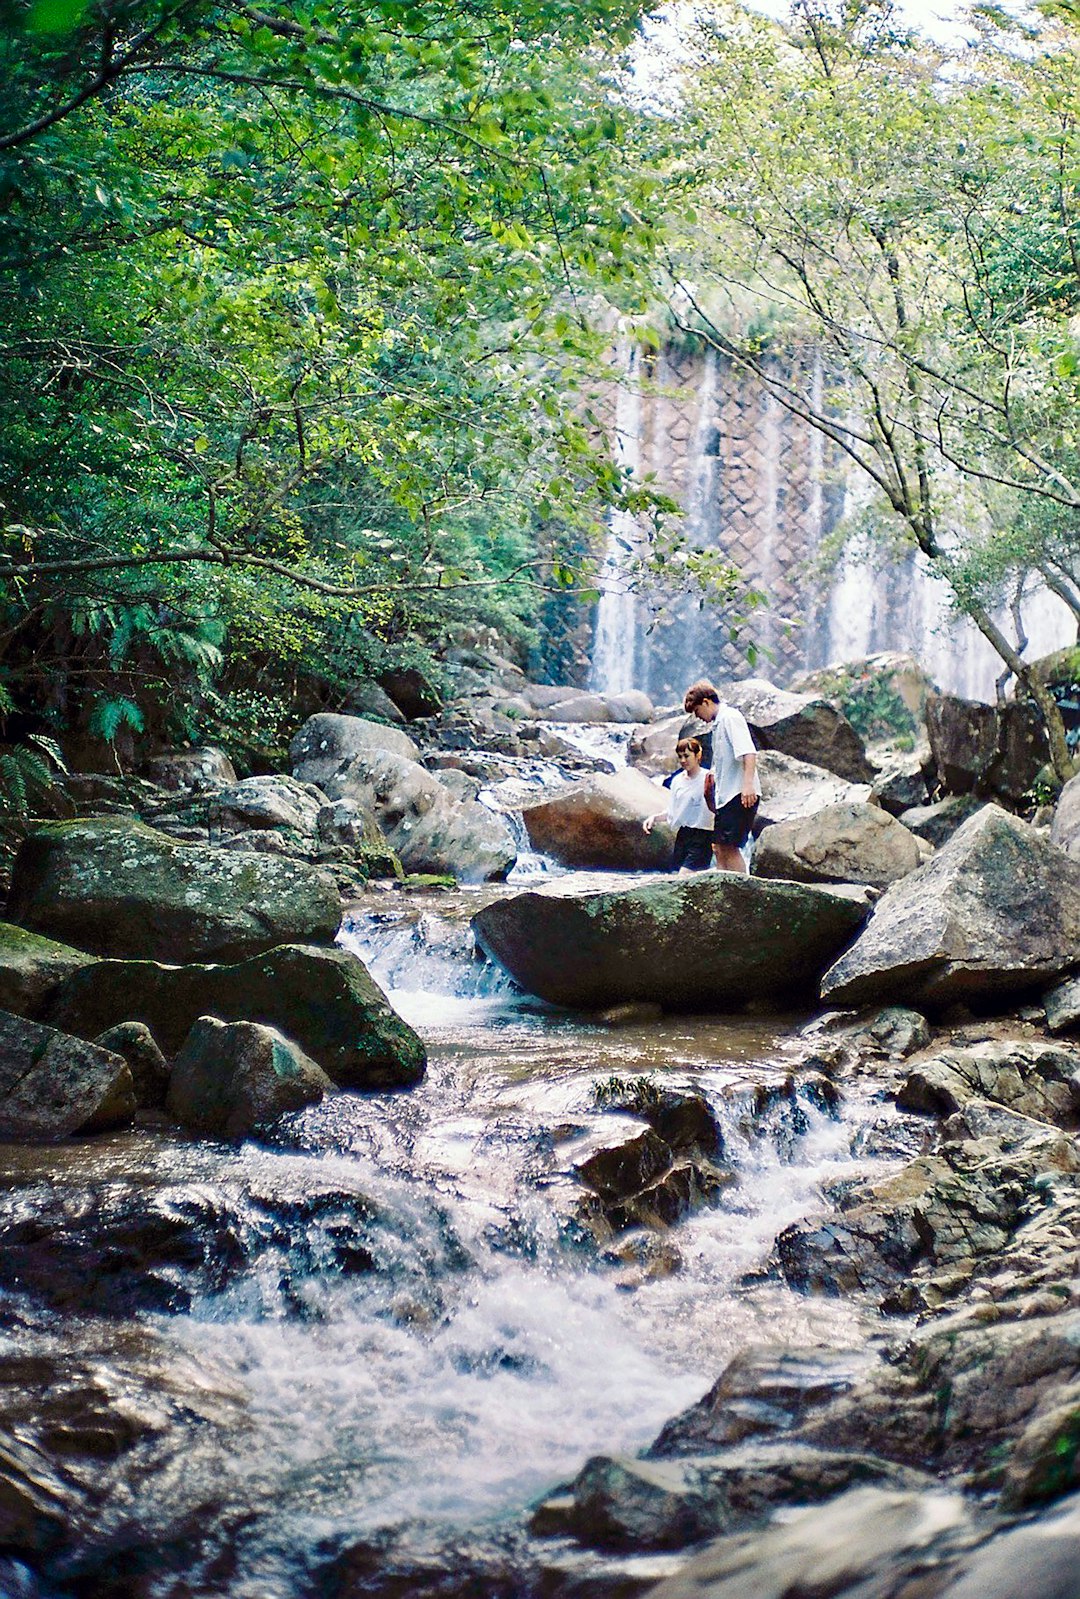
pixel 995 912
pixel 119 888
pixel 31 967
pixel 846 843
pixel 235 1078
pixel 52 1085
pixel 323 999
pixel 713 941
pixel 596 824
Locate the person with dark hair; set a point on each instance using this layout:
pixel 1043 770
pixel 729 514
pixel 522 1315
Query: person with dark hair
pixel 737 787
pixel 689 811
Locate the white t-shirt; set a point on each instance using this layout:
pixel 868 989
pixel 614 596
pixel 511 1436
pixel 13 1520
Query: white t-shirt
pixel 687 807
pixel 731 741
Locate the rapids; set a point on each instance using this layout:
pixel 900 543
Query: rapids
pixel 382 1337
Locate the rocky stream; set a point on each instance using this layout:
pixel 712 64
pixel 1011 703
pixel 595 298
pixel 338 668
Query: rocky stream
pixel 307 1295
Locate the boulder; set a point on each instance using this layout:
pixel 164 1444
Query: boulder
pixel 1036 1079
pixel 845 843
pixel 633 706
pixel 231 1079
pixel 31 966
pixel 424 825
pixel 579 707
pixel 811 729
pixel 652 748
pixel 323 999
pixel 199 769
pixel 986 749
pixel 604 942
pixel 134 1042
pixel 1062 1004
pixel 996 912
pixel 327 742
pixel 52 1085
pixel 541 696
pixel 791 789
pixel 369 700
pixel 1065 827
pixel 352 832
pixel 412 691
pixel 267 802
pixel 901 784
pixel 938 822
pixel 596 824
pixel 117 887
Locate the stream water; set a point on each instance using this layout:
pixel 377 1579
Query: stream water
pixel 394 1339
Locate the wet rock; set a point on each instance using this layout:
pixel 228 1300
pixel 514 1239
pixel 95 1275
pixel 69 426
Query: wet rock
pixel 277 802
pixel 52 1085
pixel 597 824
pixel 119 888
pixel 811 729
pixel 960 928
pixel 986 749
pixel 327 742
pixel 31 967
pixel 937 823
pixel 1036 1079
pixel 426 827
pixel 629 1015
pixel 846 843
pixel 198 769
pixel 620 1502
pixel 231 1079
pixel 861 1545
pixel 605 942
pixel 1045 1463
pixel 686 1186
pixel 894 1031
pixel 762 1392
pixel 149 1069
pixel 624 1169
pixel 1062 1005
pixel 323 999
pixel 1065 827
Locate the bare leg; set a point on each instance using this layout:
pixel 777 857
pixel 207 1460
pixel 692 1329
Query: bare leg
pixel 729 858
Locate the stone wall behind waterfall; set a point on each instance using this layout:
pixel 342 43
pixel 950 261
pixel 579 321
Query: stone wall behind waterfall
pixel 767 489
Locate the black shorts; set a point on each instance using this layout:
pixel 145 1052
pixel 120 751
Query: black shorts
pixel 734 821
pixel 693 848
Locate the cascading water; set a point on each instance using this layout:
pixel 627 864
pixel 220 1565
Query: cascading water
pixel 615 664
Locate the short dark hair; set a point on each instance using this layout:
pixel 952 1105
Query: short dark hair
pixel 687 746
pixel 697 694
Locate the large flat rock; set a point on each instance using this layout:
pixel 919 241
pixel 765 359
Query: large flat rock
pixel 996 912
pixel 115 887
pixel 713 941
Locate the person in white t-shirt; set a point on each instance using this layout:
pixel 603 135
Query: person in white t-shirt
pixel 688 811
pixel 737 790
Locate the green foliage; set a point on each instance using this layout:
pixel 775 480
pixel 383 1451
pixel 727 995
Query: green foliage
pixel 633 1094
pixel 871 703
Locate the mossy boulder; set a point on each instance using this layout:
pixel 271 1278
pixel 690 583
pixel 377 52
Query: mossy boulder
pixel 116 887
pixel 235 1078
pixel 31 967
pixel 323 999
pixel 714 941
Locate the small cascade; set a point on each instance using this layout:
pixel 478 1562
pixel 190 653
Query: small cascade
pixel 615 657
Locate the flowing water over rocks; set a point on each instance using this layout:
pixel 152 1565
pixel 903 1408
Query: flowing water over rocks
pixel 350 1360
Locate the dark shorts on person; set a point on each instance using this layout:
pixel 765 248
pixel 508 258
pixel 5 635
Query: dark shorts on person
pixel 734 821
pixel 693 848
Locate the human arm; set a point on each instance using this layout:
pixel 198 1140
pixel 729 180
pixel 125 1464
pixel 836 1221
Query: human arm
pixel 749 779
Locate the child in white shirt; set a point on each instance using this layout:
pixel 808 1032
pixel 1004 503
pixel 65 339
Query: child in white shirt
pixel 688 811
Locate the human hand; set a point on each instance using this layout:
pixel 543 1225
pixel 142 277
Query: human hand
pixel 647 824
pixel 749 797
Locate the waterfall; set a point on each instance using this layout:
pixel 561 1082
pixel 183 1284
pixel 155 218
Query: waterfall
pixel 615 655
